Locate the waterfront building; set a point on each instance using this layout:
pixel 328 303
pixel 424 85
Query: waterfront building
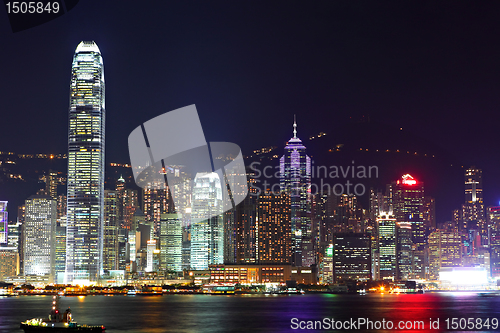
pixel 171 242
pixel 39 236
pixel 111 227
pixel 386 225
pixel 207 229
pixel 408 201
pixel 404 247
pixel 444 251
pixel 60 248
pixel 9 262
pixel 352 256
pixel 85 185
pixel 273 238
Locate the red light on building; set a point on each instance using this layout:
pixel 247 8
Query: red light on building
pixel 408 180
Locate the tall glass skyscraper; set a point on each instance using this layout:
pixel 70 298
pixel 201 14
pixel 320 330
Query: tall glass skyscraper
pixel 207 228
pixel 85 202
pixel 295 180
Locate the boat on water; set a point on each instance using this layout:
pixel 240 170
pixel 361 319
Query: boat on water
pixel 57 322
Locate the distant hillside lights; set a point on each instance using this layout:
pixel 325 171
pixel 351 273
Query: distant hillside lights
pixel 322 174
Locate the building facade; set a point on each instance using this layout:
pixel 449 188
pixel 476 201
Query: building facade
pixel 295 180
pixel 207 229
pixel 40 236
pixel 85 184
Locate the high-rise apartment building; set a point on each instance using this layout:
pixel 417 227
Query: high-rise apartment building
pixel 85 185
pixel 40 236
pixel 295 180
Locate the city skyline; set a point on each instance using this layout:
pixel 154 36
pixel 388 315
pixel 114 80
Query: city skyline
pixel 330 72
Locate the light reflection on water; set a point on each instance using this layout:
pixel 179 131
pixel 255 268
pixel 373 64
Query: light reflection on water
pixel 255 313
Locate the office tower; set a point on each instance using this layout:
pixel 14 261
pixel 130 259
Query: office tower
pixel 229 218
pixel 51 184
pixel 404 253
pixel 473 208
pixel 273 237
pixel 85 186
pixel 39 236
pixel 246 230
pixel 386 225
pixel 295 180
pixel 150 253
pixel 171 242
pixel 207 230
pixel 123 249
pixel 352 256
pixel 127 203
pixel 493 217
pixel 111 227
pixel 444 251
pixel 9 262
pixel 4 223
pixel 429 212
pixel 60 248
pixel 377 204
pixel 408 201
pixel 155 201
pixel 14 234
pixel 326 266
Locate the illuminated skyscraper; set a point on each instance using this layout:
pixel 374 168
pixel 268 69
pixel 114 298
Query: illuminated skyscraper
pixel 352 256
pixel 111 227
pixel 295 180
pixel 207 229
pixel 85 199
pixel 40 236
pixel 408 203
pixel 386 225
pixel 273 228
pixel 171 242
pixel 473 217
pixel 444 251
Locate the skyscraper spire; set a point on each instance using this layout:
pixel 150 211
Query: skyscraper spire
pixel 294 128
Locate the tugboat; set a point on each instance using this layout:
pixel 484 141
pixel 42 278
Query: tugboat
pixel 57 322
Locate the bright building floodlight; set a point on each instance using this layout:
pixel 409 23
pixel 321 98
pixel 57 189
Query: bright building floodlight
pixel 470 276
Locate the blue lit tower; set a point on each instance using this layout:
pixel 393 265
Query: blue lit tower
pixel 295 180
pixel 85 201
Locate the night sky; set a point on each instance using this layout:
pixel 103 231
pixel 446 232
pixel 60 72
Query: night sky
pixel 429 67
